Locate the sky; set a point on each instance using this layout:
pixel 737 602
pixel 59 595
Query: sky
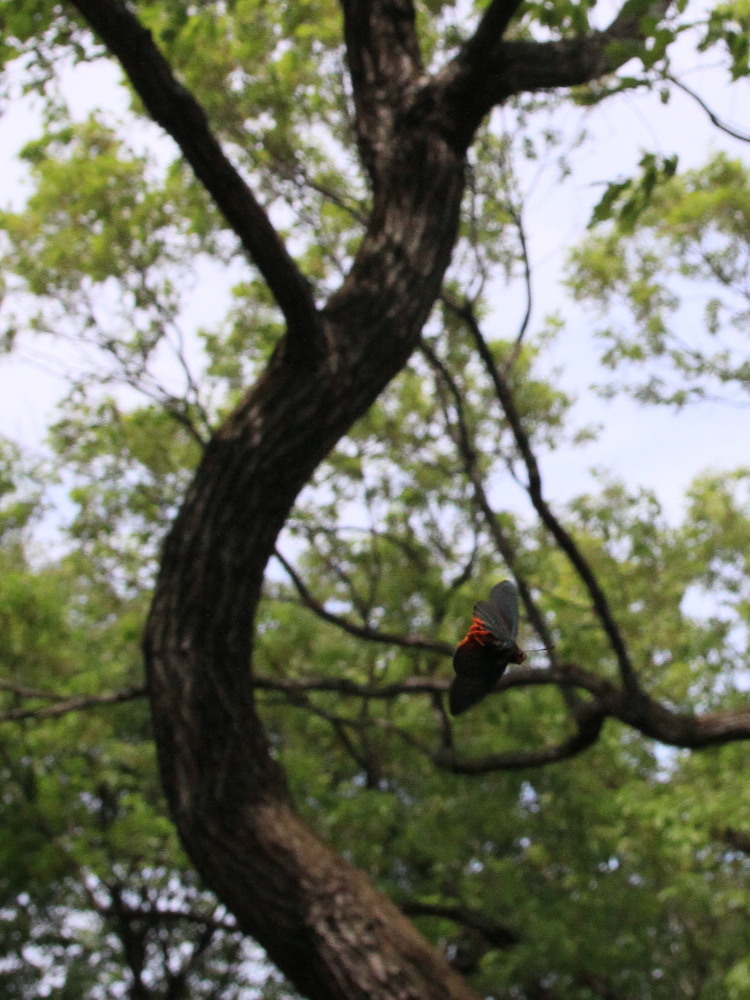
pixel 653 447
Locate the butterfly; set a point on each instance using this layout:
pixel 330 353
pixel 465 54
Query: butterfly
pixel 487 649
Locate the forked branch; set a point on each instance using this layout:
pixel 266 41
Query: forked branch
pixel 489 68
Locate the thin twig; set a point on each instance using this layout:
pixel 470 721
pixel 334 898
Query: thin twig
pixel 360 631
pixel 75 704
pixel 526 319
pixel 468 456
pixel 714 118
pixel 534 488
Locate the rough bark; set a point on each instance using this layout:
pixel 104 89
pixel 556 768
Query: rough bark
pixel 319 919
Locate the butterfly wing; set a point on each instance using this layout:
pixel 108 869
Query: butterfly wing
pixel 476 653
pixel 467 691
pixel 500 612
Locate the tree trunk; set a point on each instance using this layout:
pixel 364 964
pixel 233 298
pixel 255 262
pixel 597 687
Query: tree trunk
pixel 319 919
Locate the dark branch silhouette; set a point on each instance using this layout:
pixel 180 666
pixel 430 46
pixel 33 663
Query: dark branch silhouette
pixel 561 535
pixel 360 631
pixel 491 521
pixel 174 108
pixel 713 117
pixel 489 68
pixel 66 703
pixel 496 935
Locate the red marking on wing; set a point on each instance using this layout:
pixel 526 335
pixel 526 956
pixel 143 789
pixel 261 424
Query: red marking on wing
pixel 478 635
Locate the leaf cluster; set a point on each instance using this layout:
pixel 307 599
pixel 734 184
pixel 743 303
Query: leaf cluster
pixel 672 279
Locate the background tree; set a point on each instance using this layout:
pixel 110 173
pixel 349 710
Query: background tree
pixel 363 132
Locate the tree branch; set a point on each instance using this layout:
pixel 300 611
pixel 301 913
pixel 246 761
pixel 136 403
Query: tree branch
pixel 518 677
pixel 632 708
pixel 488 69
pixel 590 719
pixel 173 107
pixel 681 729
pixel 468 456
pixel 72 704
pixel 489 32
pixel 496 935
pixel 548 518
pixel 21 691
pixel 640 712
pixel 361 631
pixel 515 214
pixel 629 705
pixel 154 916
pixel 349 688
pixel 713 118
pixel 384 62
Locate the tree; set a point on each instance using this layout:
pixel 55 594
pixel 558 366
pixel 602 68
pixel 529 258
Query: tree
pixel 341 318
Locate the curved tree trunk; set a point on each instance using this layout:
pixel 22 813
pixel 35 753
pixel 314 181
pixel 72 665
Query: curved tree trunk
pixel 316 915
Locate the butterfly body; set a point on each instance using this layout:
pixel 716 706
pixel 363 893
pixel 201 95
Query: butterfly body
pixel 487 649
